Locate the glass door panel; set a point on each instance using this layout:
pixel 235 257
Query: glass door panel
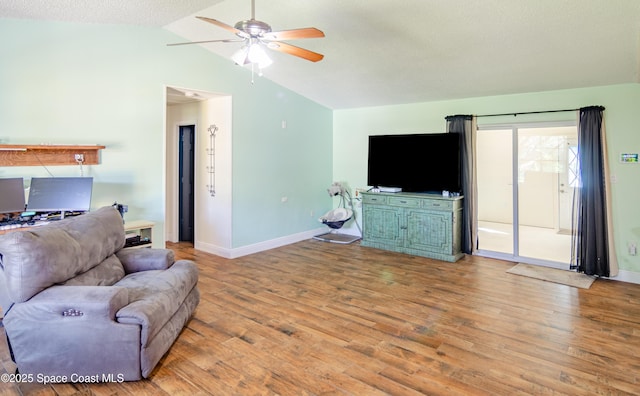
pixel 544 194
pixel 494 150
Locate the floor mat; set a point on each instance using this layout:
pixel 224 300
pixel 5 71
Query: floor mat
pixel 554 275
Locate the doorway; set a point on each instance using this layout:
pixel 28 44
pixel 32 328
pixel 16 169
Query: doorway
pixel 207 218
pixel 526 180
pixel 186 171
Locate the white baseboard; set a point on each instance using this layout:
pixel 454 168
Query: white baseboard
pixel 627 276
pixel 257 247
pixel 213 249
pixel 623 275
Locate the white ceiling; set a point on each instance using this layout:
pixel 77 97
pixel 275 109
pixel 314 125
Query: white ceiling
pixel 128 12
pixel 384 52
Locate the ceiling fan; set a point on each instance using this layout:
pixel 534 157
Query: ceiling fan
pixel 256 35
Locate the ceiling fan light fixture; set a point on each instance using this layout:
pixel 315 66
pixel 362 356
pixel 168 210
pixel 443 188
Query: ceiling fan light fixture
pixel 257 54
pixel 240 57
pixel 265 63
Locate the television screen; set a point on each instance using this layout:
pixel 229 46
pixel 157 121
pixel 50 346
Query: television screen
pixel 11 195
pixel 415 163
pixel 53 194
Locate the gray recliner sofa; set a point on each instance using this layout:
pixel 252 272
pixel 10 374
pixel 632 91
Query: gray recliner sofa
pixel 78 306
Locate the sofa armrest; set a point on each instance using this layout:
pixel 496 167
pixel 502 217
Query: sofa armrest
pixel 67 302
pixel 145 259
pixel 71 330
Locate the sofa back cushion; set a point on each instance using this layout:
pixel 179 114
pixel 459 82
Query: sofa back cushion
pixel 39 257
pixel 107 273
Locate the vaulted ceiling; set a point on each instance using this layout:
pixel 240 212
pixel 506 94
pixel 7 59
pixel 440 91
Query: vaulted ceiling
pixel 390 52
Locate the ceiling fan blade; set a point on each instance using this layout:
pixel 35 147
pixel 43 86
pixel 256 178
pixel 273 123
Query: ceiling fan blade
pixel 224 26
pixel 293 34
pixel 207 41
pixel 295 51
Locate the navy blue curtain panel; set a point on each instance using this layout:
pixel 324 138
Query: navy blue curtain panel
pixel 590 239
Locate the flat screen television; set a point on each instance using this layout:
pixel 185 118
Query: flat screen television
pixel 416 162
pixel 59 194
pixel 11 195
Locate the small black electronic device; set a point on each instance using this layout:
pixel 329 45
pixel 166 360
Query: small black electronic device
pixel 121 208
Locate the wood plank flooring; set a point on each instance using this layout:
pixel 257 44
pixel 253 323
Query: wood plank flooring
pixel 319 318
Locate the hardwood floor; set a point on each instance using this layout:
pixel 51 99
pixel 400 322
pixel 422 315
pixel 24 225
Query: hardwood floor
pixel 322 318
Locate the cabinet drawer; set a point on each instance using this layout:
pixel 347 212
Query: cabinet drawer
pixel 405 202
pixel 374 199
pixel 437 204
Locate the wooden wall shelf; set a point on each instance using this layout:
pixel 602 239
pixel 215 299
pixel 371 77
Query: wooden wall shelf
pixel 47 154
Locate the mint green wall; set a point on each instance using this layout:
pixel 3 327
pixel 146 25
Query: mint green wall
pixel 294 163
pixel 352 127
pixel 70 83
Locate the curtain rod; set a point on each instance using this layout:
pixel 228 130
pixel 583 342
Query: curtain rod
pixel 451 117
pixel 526 112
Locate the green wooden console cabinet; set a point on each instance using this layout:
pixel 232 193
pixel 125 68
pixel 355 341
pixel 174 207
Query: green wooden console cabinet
pixel 427 225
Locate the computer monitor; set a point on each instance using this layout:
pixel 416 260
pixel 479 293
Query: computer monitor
pixel 11 195
pixel 53 194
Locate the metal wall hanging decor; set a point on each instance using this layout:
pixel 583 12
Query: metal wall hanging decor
pixel 211 152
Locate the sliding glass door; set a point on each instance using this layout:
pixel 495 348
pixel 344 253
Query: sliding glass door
pixel 525 191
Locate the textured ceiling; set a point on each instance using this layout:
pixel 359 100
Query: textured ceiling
pixel 383 52
pixel 129 12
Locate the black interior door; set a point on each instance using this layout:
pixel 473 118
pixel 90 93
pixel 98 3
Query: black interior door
pixel 186 181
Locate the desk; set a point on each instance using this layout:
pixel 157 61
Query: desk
pixel 142 228
pixel 20 227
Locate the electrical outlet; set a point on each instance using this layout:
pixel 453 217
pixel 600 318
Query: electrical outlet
pixel 79 157
pixel 633 249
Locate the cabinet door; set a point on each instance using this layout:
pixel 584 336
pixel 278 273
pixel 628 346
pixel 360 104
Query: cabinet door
pixel 382 225
pixel 429 231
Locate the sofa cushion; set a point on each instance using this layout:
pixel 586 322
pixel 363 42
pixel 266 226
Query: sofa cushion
pixel 106 273
pixel 136 260
pixel 155 295
pixel 39 257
